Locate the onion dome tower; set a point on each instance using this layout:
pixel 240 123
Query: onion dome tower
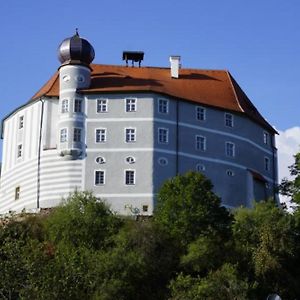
pixel 75 55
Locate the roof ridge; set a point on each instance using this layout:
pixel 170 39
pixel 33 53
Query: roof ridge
pixel 163 68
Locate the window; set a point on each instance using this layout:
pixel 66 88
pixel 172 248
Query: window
pixel 200 143
pixel 19 153
pixel 100 135
pixel 163 106
pixel 101 105
pixel 99 177
pixel 130 160
pixel 230 173
pixel 130 104
pixel 77 135
pixel 63 135
pixel 129 177
pixel 65 106
pixel 230 149
pixel 200 168
pixel 100 160
pixel 267 164
pixel 145 208
pixel 266 138
pixel 200 113
pixel 228 120
pixel 17 193
pixel 163 135
pixel 163 161
pixel 130 135
pixel 78 105
pixel 21 122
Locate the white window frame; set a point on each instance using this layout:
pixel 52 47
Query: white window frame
pixel 19 151
pixel 130 182
pixel 163 135
pixel 200 143
pixel 200 167
pixel 78 105
pixel 163 106
pixel 130 104
pixel 21 122
pixel 267 165
pixel 129 135
pixel 65 106
pixel 200 113
pixel 77 135
pixel 63 135
pixel 101 106
pixel 228 120
pixel 101 178
pixel 230 149
pixel 102 135
pixel 266 138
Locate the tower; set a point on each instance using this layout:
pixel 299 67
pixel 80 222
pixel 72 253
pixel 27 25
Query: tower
pixel 75 55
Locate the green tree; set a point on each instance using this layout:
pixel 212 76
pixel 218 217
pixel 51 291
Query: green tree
pixel 187 207
pixel 83 220
pixel 222 284
pixel 266 250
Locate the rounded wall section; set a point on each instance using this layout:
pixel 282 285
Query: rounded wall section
pixel 71 111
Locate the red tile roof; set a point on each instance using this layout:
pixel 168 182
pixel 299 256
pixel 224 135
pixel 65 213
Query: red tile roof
pixel 215 88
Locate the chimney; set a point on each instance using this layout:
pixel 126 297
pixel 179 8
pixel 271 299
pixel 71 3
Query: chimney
pixel 175 65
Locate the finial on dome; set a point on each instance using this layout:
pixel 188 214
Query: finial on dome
pixel 76 29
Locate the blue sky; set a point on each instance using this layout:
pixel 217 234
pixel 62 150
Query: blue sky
pixel 257 41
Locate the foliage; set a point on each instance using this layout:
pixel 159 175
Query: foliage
pixel 191 249
pixel 187 208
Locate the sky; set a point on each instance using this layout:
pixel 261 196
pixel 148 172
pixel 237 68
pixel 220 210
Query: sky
pixel 257 41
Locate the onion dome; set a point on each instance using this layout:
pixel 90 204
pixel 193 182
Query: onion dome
pixel 75 50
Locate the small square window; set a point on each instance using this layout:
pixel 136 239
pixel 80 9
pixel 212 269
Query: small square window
pixel 200 143
pixel 101 105
pixel 266 138
pixel 145 208
pixel 130 105
pixel 267 164
pixel 65 106
pixel 100 135
pixel 21 122
pixel 130 135
pixel 230 149
pixel 228 120
pixel 129 177
pixel 77 135
pixel 20 148
pixel 63 135
pixel 99 177
pixel 163 106
pixel 200 113
pixel 77 105
pixel 163 135
pixel 17 193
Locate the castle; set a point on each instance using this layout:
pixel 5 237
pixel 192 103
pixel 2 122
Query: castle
pixel 121 131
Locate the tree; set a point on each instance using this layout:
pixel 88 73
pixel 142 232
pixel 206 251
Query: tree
pixel 266 250
pixel 187 207
pixel 83 220
pixel 291 188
